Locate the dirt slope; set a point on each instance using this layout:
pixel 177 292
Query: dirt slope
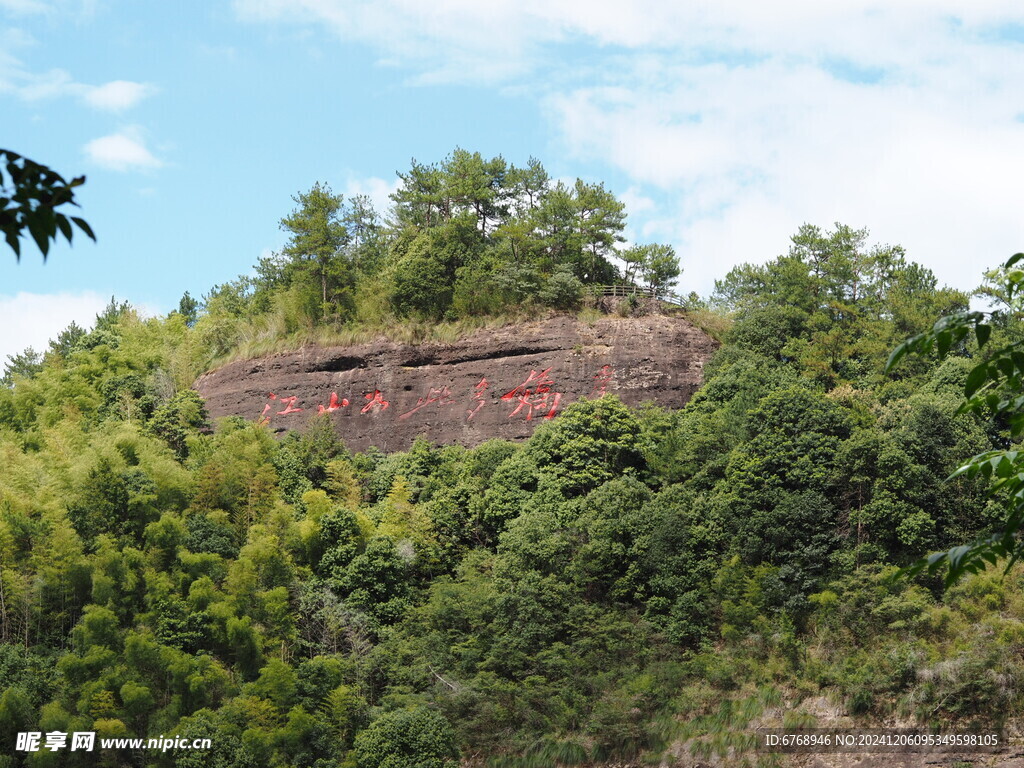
pixel 494 383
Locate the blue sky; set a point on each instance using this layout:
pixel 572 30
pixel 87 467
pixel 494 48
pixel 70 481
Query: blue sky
pixel 723 126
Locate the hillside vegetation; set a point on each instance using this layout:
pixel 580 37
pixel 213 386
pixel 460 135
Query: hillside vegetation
pixel 465 239
pixel 622 583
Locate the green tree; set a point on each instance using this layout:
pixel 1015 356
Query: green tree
pixel 16 714
pixel 528 185
pixel 658 265
pixel 24 365
pixel 67 341
pixel 592 442
pixel 419 200
pixel 633 258
pixel 424 272
pixel 188 308
pixel 472 184
pixel 318 236
pixel 832 306
pixel 785 281
pixel 367 235
pixel 601 219
pixel 837 259
pixel 661 268
pixel 993 386
pixel 405 738
pixel 184 415
pixel 376 581
pixel 580 226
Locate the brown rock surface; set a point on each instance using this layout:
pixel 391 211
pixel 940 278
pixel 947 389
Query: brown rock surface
pixel 493 383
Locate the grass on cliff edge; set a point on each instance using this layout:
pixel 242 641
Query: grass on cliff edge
pixel 263 337
pixel 267 334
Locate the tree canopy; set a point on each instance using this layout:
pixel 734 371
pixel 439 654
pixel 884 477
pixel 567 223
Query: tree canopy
pixel 994 386
pixel 467 237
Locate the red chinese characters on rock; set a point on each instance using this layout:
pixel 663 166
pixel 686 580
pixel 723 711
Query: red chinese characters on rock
pixel 376 401
pixel 264 418
pixel 534 394
pixel 289 407
pixel 478 396
pixel 601 381
pixel 442 396
pixel 334 404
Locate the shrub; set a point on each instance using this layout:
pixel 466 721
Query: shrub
pixel 418 737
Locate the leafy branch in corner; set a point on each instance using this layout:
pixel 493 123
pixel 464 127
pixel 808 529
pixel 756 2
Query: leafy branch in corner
pixel 30 193
pixel 994 386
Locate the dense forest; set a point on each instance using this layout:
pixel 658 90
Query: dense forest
pixel 624 582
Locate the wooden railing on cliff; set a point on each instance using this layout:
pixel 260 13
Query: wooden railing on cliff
pixel 634 290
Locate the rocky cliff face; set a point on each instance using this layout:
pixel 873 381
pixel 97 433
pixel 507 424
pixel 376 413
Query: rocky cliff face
pixel 494 383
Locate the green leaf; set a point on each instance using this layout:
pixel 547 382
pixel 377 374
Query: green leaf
pixel 896 355
pixel 39 235
pixel 976 379
pixel 912 570
pixel 65 226
pixel 1004 468
pixel 957 554
pixel 12 240
pixel 84 226
pixel 968 469
pixel 1018 359
pixel 982 331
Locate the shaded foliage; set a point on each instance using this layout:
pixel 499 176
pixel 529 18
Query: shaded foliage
pixel 622 580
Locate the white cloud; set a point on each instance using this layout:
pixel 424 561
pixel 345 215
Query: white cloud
pixel 14 38
pixel 122 151
pixel 741 156
pixel 19 80
pixel 33 319
pixel 734 122
pixel 378 190
pixel 75 8
pixel 470 41
pixel 117 95
pixel 24 7
pixel 451 40
pixel 37 86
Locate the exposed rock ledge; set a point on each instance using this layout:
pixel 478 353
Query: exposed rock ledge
pixel 494 383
